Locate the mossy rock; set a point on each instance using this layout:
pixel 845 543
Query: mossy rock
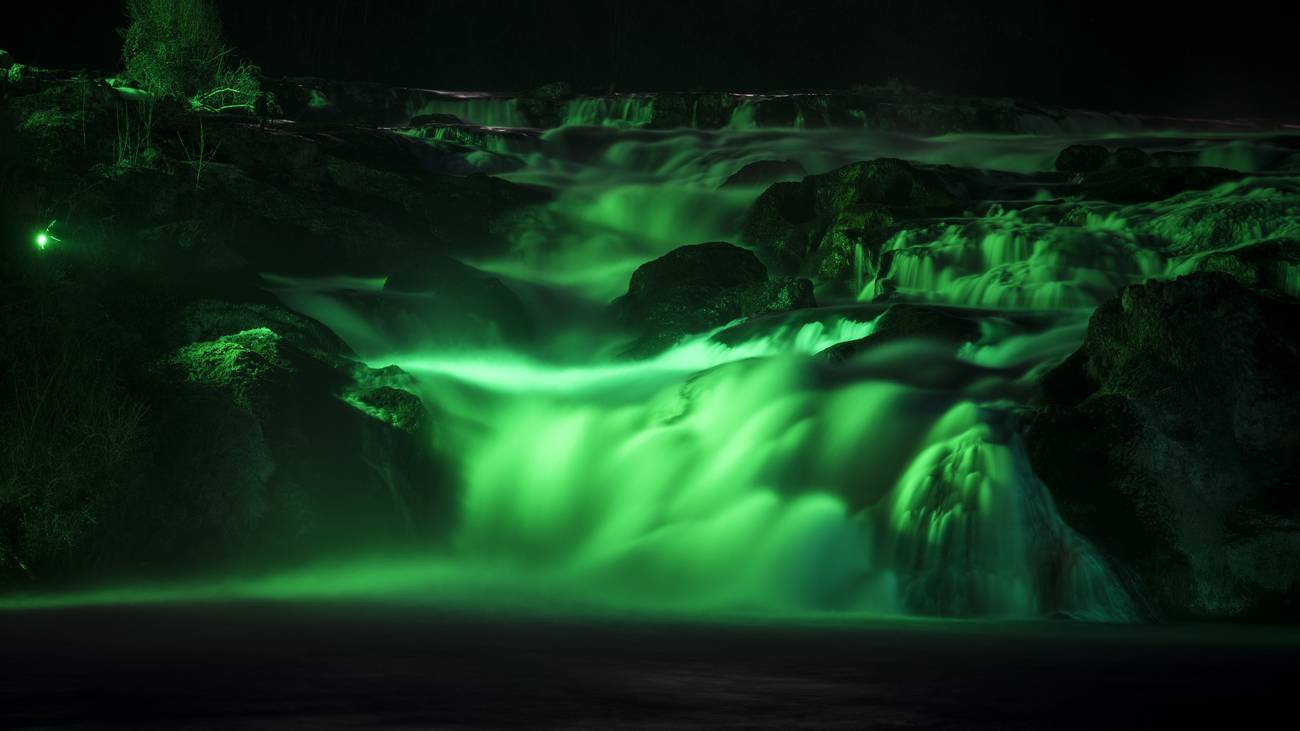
pixel 700 287
pixel 1168 440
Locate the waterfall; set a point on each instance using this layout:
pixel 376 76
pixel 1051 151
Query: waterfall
pixel 737 471
pixel 482 110
pixel 1018 261
pixel 758 483
pixel 609 111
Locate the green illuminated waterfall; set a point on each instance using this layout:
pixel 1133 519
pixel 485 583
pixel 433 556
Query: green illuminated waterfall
pixel 742 470
pixel 739 471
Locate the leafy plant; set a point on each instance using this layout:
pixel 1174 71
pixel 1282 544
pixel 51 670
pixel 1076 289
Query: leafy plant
pixel 174 50
pixel 171 46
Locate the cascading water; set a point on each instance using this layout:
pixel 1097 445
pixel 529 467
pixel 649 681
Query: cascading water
pixel 480 109
pixel 609 111
pixel 738 471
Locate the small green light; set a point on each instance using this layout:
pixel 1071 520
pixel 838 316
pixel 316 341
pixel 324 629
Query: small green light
pixel 44 237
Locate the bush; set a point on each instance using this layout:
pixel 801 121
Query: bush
pixel 71 445
pixel 174 50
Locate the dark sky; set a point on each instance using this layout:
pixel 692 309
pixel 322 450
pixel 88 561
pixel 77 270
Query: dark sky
pixel 1230 60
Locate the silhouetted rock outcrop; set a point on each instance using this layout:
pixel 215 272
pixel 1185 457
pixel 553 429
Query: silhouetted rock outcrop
pixel 1145 184
pixel 1169 439
pixel 1082 158
pixel 1267 265
pixel 765 172
pixel 697 288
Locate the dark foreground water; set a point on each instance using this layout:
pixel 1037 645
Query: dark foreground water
pixel 347 666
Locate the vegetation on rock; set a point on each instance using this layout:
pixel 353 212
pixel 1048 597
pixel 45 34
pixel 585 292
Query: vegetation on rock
pixel 174 49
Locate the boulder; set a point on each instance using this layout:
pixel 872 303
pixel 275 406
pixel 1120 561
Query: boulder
pixel 903 321
pixel 1169 440
pixel 461 303
pixel 276 447
pixel 1131 157
pixel 1268 265
pixel 697 288
pixel 1208 223
pixel 814 226
pixel 214 436
pixel 765 172
pixel 1091 158
pixel 1146 184
pixel 1082 159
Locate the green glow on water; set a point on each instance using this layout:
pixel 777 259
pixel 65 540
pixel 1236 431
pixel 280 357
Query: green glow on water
pixel 735 473
pixel 720 480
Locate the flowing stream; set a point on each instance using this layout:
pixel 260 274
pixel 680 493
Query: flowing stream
pixel 736 471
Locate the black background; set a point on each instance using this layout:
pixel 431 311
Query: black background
pixel 1230 60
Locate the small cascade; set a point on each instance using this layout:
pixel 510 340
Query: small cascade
pixel 969 529
pixel 752 485
pixel 743 115
pixel 1010 261
pixel 609 111
pixel 482 110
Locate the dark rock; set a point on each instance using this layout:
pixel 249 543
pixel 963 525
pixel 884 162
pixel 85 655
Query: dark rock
pixel 423 120
pixel 1131 157
pixel 206 319
pixel 1210 223
pixel 1174 159
pixel 1268 265
pixel 6 60
pixel 1169 440
pixel 765 172
pixel 1145 184
pixel 697 288
pixel 813 227
pixel 544 106
pixel 460 300
pixel 358 202
pixel 1082 158
pixel 903 321
pixel 266 451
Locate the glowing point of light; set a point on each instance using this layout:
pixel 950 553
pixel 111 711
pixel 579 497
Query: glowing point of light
pixel 42 240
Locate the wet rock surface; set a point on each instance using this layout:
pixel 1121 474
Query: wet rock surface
pixel 765 172
pixel 907 322
pixel 1169 440
pixel 700 287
